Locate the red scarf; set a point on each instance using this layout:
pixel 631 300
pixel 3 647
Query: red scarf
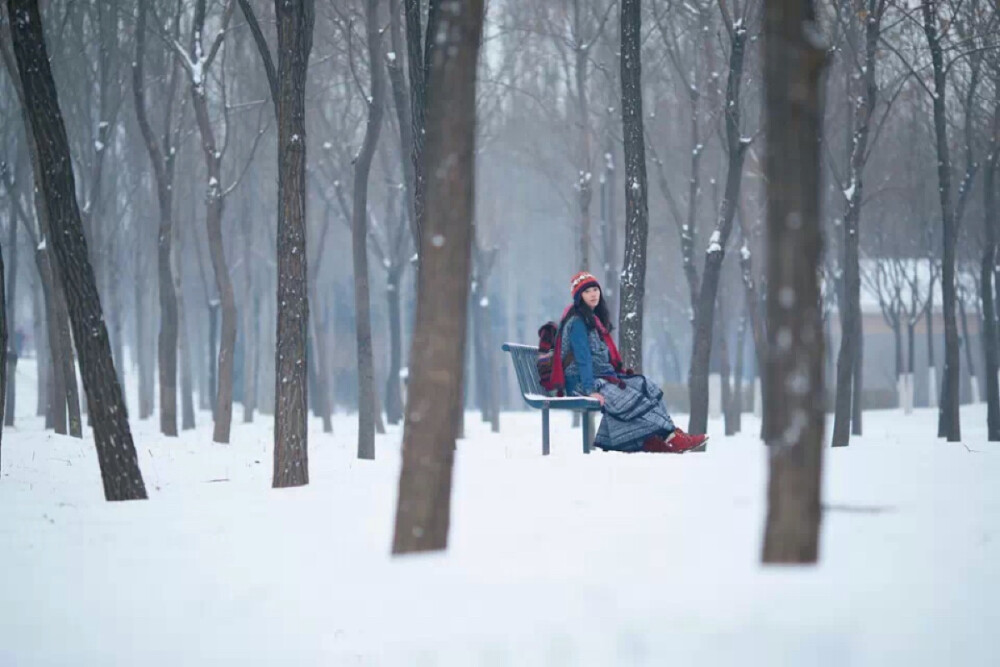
pixel 558 376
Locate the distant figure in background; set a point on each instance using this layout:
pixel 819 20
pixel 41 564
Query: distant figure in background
pixel 587 363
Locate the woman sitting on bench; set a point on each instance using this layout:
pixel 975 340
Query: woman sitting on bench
pixel 635 417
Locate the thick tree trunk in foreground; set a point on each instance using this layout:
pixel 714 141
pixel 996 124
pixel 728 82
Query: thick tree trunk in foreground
pixel 436 361
pixel 633 283
pixel 115 449
pixel 295 20
pixel 291 460
pixel 794 378
pixel 359 238
pixel 62 394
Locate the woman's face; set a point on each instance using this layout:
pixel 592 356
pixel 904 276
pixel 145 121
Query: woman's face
pixel 592 296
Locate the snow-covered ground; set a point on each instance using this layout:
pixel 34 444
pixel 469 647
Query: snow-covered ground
pixel 567 560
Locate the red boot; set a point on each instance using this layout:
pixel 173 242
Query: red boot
pixel 682 442
pixel 678 443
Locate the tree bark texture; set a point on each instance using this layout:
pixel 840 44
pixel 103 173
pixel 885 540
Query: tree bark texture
pixel 359 238
pixel 852 333
pixel 704 309
pixel 793 379
pixel 61 394
pixel 437 357
pixel 163 172
pixel 949 425
pixel 214 203
pixel 418 51
pixel 291 459
pixel 633 282
pixel 115 450
pixel 405 119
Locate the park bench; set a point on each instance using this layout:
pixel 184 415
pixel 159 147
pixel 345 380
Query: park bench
pixel 523 357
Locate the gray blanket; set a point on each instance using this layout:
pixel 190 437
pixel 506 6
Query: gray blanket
pixel 631 414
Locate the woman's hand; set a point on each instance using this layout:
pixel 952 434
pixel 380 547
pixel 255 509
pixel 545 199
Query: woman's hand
pixel 599 397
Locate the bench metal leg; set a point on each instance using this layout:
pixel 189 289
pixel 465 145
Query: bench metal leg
pixel 545 431
pixel 588 427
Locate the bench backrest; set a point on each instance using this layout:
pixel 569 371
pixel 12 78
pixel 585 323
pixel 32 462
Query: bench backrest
pixel 524 357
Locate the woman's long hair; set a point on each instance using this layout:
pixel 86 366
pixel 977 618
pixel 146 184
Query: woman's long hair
pixel 589 317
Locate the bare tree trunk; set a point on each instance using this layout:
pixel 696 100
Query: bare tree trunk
pixel 405 119
pixel 436 367
pixel 62 393
pixel 288 86
pixel 359 235
pixel 184 339
pixel 214 204
pixel 418 57
pixel 633 283
pixel 115 449
pixel 704 309
pixel 163 171
pixel 849 367
pixel 793 65
pixel 949 425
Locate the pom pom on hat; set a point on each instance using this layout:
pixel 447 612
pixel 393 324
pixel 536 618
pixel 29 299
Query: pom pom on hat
pixel 582 281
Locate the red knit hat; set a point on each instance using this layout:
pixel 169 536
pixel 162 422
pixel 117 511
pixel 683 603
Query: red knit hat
pixel 582 281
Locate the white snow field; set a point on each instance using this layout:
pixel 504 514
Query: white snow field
pixel 606 559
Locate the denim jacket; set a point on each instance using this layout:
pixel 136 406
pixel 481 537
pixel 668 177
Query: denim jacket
pixel 590 357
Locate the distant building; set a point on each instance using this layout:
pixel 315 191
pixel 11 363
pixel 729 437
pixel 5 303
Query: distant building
pixel 892 288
